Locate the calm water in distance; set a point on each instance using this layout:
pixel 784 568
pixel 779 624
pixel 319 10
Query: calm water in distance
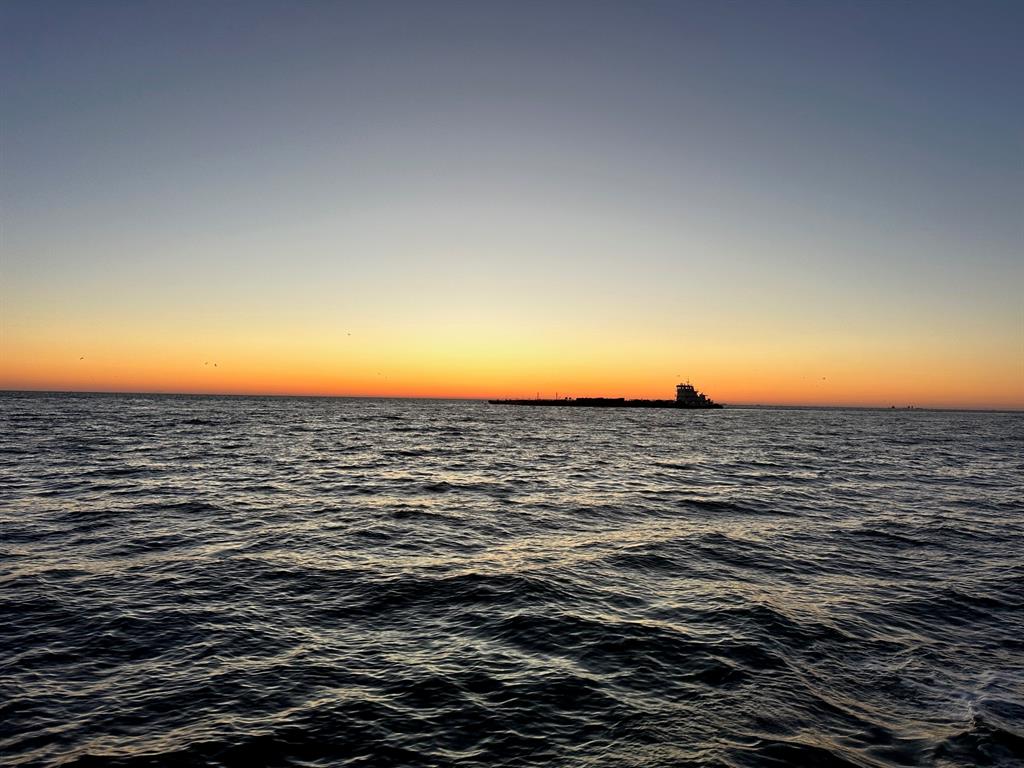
pixel 314 582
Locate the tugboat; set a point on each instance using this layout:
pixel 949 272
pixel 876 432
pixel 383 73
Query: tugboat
pixel 686 397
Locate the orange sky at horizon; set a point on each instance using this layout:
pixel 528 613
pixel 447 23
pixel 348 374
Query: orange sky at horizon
pixel 475 367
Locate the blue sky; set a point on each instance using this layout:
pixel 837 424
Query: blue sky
pixel 767 171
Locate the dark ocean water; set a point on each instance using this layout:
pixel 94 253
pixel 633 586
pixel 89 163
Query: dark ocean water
pixel 313 582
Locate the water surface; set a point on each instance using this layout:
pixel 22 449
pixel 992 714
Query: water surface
pixel 288 581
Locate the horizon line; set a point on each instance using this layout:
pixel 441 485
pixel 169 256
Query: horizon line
pixel 978 409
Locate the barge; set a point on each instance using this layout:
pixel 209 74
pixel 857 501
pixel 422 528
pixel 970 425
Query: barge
pixel 686 397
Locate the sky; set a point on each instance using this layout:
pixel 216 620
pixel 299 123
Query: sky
pixel 782 202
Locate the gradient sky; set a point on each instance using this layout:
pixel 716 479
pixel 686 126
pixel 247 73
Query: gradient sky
pixel 812 203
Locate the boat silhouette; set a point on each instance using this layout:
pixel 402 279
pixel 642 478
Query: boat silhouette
pixel 687 397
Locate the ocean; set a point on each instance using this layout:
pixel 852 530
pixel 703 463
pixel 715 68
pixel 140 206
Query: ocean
pixel 245 581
